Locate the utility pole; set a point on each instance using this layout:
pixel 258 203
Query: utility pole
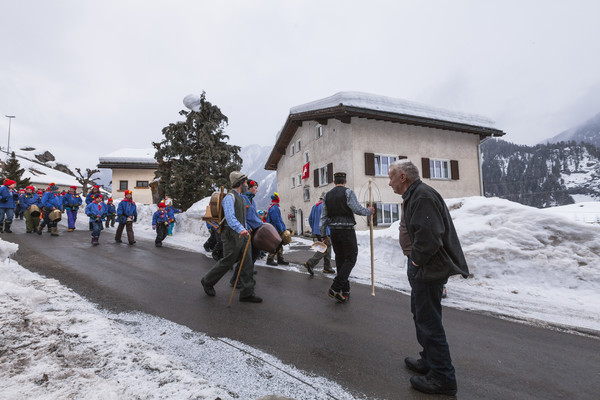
pixel 10 117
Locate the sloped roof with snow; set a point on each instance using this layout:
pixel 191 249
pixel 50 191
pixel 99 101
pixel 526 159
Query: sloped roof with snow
pixel 345 105
pixel 129 158
pixel 369 101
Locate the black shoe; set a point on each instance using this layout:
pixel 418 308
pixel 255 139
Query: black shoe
pixel 206 247
pixel 432 385
pixel 338 296
pixel 271 262
pixel 328 271
pixel 282 262
pixel 158 244
pixel 415 365
pixel 132 242
pixel 251 299
pixel 39 232
pixel 118 240
pixel 209 290
pixel 309 268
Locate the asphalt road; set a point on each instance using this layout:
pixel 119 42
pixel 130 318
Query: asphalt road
pixel 360 344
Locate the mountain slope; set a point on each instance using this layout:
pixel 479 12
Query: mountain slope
pixel 588 132
pixel 254 159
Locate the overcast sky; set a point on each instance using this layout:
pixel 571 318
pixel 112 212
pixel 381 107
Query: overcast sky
pixel 85 78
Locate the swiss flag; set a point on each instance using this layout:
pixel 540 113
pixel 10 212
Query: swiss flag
pixel 305 170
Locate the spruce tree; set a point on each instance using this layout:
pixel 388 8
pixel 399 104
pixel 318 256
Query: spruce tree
pixel 194 159
pixel 11 169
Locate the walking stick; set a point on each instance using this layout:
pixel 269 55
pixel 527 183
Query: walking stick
pixel 239 271
pixel 371 231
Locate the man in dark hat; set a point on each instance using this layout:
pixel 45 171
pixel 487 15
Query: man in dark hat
pixel 339 206
pixel 234 236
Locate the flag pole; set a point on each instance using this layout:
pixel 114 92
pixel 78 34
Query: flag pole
pixel 371 231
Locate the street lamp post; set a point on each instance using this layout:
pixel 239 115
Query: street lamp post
pixel 10 117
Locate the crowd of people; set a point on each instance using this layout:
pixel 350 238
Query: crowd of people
pixel 427 237
pixel 44 209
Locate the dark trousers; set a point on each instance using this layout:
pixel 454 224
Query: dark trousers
pixel 47 221
pixel 110 220
pixel 161 232
pixel 128 228
pixel 426 308
pixel 96 228
pixel 344 244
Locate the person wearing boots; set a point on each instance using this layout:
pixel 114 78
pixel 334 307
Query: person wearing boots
pixel 32 217
pixel 126 216
pixel 96 210
pixel 314 220
pixel 90 197
pixel 160 223
pixel 339 206
pixel 7 205
pixel 235 237
pixel 51 201
pixel 111 213
pixel 274 218
pixel 71 203
pixel 253 222
pixel 428 236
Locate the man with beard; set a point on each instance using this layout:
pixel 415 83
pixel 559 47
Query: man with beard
pixel 234 236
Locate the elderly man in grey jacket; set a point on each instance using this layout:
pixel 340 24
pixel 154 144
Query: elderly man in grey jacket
pixel 428 235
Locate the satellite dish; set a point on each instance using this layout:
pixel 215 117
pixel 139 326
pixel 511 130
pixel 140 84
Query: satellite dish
pixel 192 101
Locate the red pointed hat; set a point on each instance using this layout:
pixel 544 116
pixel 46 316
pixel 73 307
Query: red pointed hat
pixel 162 205
pixel 8 182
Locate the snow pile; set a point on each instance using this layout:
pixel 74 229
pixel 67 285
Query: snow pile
pixel 526 263
pixel 57 345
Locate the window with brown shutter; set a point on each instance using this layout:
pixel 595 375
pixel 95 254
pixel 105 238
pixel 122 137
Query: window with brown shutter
pixel 369 164
pixel 454 170
pixel 425 168
pixel 329 172
pixel 316 177
pixel 402 157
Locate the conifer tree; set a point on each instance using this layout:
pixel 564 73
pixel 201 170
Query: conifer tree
pixel 194 159
pixel 11 169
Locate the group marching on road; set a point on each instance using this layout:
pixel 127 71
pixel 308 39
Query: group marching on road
pixel 427 237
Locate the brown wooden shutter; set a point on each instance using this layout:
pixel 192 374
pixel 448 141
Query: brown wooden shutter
pixel 316 177
pixel 402 157
pixel 454 170
pixel 329 172
pixel 425 168
pixel 370 164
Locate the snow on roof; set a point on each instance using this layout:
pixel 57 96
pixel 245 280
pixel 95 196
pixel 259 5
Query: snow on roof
pixel 127 155
pixel 39 173
pixel 393 105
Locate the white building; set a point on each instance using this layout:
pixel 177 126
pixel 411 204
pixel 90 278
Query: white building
pixel 132 169
pixel 362 134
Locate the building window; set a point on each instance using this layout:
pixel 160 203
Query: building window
pixel 123 185
pixel 323 176
pixel 306 193
pixel 141 184
pixel 319 131
pixel 299 179
pixel 387 213
pixel 382 164
pixel 299 147
pixel 306 158
pixel 292 147
pixel 439 169
pixel 293 182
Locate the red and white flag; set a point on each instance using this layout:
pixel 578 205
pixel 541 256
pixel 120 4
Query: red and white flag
pixel 305 170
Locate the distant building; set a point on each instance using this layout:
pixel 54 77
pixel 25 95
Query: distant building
pixel 132 169
pixel 41 176
pixel 362 134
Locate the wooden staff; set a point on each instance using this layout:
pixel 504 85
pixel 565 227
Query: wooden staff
pixel 371 231
pixel 239 270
